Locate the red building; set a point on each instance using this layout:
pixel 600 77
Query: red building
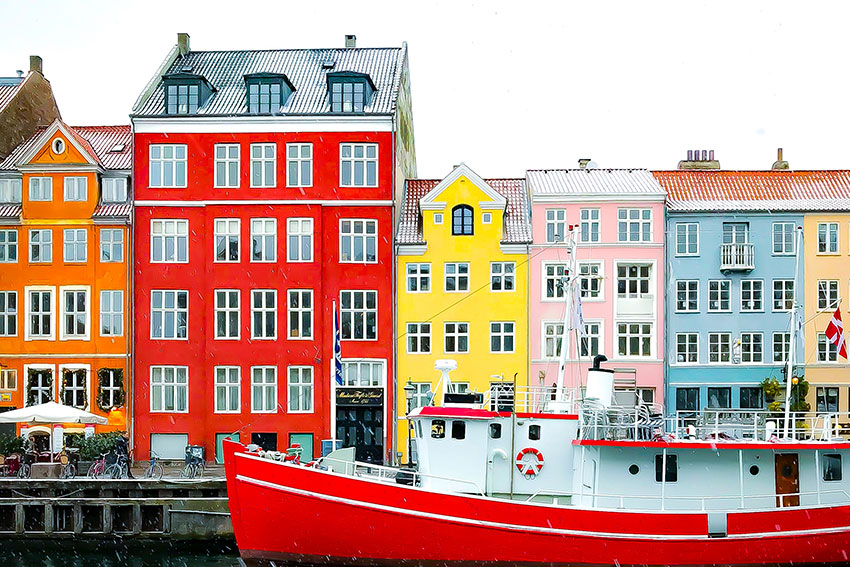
pixel 265 186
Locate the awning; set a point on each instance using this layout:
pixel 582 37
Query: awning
pixel 51 412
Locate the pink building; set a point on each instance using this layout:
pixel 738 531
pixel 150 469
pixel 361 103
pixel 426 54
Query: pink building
pixel 620 259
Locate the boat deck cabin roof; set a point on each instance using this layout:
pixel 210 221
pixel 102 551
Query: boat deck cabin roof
pixel 717 444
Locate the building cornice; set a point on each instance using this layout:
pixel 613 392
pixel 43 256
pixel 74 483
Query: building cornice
pixel 625 199
pixel 251 124
pixel 412 249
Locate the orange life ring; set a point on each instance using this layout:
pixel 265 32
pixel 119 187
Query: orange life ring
pixel 529 468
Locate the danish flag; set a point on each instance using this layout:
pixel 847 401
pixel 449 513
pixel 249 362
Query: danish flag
pixel 835 333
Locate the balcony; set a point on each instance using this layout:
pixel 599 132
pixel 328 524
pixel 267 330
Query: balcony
pixel 737 257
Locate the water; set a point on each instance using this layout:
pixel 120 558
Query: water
pixel 70 553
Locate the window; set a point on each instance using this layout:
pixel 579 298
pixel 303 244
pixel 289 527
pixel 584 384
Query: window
pixel 827 237
pixel 41 245
pixel 169 314
pixel 553 280
pixel 299 238
pixel 358 165
pixel 41 189
pixel 8 313
pixel 501 336
pixel 41 314
pixel 227 306
pixel 110 388
pixel 8 246
pixel 114 189
pixel 263 389
pixel 827 294
pixel 589 225
pixel 358 240
pixel 687 399
pixel 592 339
pixel 348 96
pixel 438 428
pixel 421 395
pixel 687 296
pixel 263 165
pixel 687 239
pixel 76 188
pixel 10 190
pixel 633 280
pixel 39 386
pixel 462 221
pixel 8 379
pixel 752 295
pixel 227 165
pixel 167 165
pixel 182 99
pixel 687 348
pixel 300 313
pixel 832 467
pixel 418 338
pixel 719 295
pixel 590 280
pixel 634 339
pixel 783 238
pixel 300 398
pixel 264 97
pixel 783 295
pixel 827 351
pixel 169 240
pixel 534 433
pixel 553 334
pixel 111 313
pixel 719 347
pixel 170 389
pixel 634 225
pixel 456 337
pixel 736 232
pixel 227 386
pixel 263 314
pixel 556 225
pixel 111 245
pixel 74 384
pixel 752 347
pixel 751 398
pixel 299 165
pixel 363 373
pixel 263 240
pixel 486 218
pixel 457 277
pixel 666 471
pixel 781 346
pixel 74 245
pixel 502 276
pixel 418 278
pixel 438 218
pixel 359 314
pixel 226 240
pixel 719 398
pixel 458 430
pixel 827 400
pixel 75 314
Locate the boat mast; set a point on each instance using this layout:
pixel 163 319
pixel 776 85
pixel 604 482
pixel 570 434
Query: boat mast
pixel 567 283
pixel 789 369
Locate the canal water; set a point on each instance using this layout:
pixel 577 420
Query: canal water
pixel 71 553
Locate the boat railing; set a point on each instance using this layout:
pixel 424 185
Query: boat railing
pixel 616 423
pixel 758 425
pixel 529 399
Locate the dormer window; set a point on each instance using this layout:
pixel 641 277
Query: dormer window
pixel 349 92
pixel 185 92
pixel 267 92
pixel 462 220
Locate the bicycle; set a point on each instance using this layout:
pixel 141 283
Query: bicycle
pixel 154 469
pixel 118 469
pixel 98 467
pixel 194 467
pixel 192 470
pixel 69 469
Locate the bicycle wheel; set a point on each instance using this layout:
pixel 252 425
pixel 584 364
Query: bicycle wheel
pixel 156 471
pixel 94 470
pixel 199 471
pixel 186 472
pixel 71 470
pixel 24 471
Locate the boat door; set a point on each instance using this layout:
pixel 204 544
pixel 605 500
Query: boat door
pixel 787 479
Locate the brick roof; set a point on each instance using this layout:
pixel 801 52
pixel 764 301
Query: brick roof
pixel 97 140
pixel 787 190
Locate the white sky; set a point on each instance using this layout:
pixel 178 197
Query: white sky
pixel 504 86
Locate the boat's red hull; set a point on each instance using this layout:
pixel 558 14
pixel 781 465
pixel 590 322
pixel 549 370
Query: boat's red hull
pixel 289 513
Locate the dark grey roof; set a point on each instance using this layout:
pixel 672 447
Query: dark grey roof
pixel 306 69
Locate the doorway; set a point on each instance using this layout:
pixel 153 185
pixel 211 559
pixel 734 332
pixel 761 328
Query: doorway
pixel 266 441
pixel 306 441
pixel 219 450
pixel 362 427
pixel 787 480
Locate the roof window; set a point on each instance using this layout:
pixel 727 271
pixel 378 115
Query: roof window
pixel 350 92
pixel 185 92
pixel 267 92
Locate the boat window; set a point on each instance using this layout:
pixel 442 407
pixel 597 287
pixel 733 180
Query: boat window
pixel 495 431
pixel 832 467
pixel 634 469
pixel 754 470
pixel 458 430
pixel 672 472
pixel 534 432
pixel 438 428
pixel 419 429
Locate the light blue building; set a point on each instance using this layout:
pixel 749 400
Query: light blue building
pixel 730 281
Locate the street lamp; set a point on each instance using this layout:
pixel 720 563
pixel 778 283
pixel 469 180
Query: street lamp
pixel 409 390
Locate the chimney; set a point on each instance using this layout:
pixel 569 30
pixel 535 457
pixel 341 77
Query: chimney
pixel 780 163
pixel 350 40
pixel 183 44
pixel 20 73
pixel 699 159
pixel 582 163
pixel 35 64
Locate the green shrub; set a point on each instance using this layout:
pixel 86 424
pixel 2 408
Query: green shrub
pixel 98 444
pixel 11 444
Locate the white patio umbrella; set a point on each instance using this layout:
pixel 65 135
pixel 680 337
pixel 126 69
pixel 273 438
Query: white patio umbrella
pixel 51 412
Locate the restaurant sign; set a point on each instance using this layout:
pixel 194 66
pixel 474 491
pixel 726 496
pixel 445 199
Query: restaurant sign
pixel 360 397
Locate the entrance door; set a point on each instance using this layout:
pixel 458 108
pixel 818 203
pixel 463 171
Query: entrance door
pixel 362 427
pixel 787 480
pixel 266 441
pixel 306 441
pixel 219 451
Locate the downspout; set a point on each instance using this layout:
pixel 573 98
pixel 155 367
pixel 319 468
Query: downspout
pixel 394 422
pixel 131 288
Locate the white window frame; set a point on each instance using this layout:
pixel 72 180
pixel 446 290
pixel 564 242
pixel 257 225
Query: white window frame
pixel 41 244
pixel 74 388
pixel 176 163
pixel 10 190
pixel 784 251
pixel 265 312
pixel 556 220
pixel 413 272
pixel 177 229
pixel 299 386
pixel 76 188
pixel 298 161
pixel 9 312
pixel 51 390
pixel 41 189
pixel 352 313
pixel 108 386
pixel 262 233
pixel 364 160
pixel 637 280
pixel 640 335
pixel 416 332
pixel 688 351
pixel 830 228
pixel 9 379
pixel 719 294
pixel 456 334
pixel 589 335
pixel 109 314
pixel 222 377
pixel 691 286
pixel 754 285
pixel 114 189
pixel 555 277
pixel 9 246
pixel 589 218
pixel 356 378
pixel 299 229
pixel 456 275
pixel 502 331
pixel 28 336
pixel 298 312
pixel 226 229
pixel 71 237
pixel 486 218
pixel 228 162
pixel 109 244
pixel 438 218
pixel 175 384
pixel 352 236
pixel 720 342
pixel 827 352
pixel 266 386
pixel 830 296
pixel 624 217
pixel 176 310
pixel 751 336
pixel 784 289
pixel 552 333
pixel 262 161
pixel 687 227
pixel 500 270
pixel 421 395
pixel 589 277
pixel 785 344
pixel 225 311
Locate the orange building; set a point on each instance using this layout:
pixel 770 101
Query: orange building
pixel 65 261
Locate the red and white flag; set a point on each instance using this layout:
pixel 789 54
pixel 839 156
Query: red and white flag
pixel 835 333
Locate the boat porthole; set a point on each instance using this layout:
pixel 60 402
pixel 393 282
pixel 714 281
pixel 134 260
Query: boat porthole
pixel 634 469
pixel 754 470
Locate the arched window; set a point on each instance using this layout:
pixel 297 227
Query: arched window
pixel 462 220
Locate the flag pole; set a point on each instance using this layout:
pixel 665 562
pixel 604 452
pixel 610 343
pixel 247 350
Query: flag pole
pixel 333 377
pixel 792 343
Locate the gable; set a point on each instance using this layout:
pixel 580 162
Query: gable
pixel 58 146
pixel 463 185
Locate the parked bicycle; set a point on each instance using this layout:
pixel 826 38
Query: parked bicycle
pixel 69 467
pixel 118 469
pixel 154 469
pixel 194 467
pixel 27 459
pixel 98 467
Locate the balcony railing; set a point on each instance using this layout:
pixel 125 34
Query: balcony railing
pixel 737 257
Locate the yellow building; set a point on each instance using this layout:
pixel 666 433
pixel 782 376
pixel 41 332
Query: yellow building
pixel 462 286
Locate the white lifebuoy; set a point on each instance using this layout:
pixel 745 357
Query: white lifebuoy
pixel 529 467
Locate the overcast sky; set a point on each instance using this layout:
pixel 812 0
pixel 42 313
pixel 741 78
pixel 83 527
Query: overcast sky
pixel 505 86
